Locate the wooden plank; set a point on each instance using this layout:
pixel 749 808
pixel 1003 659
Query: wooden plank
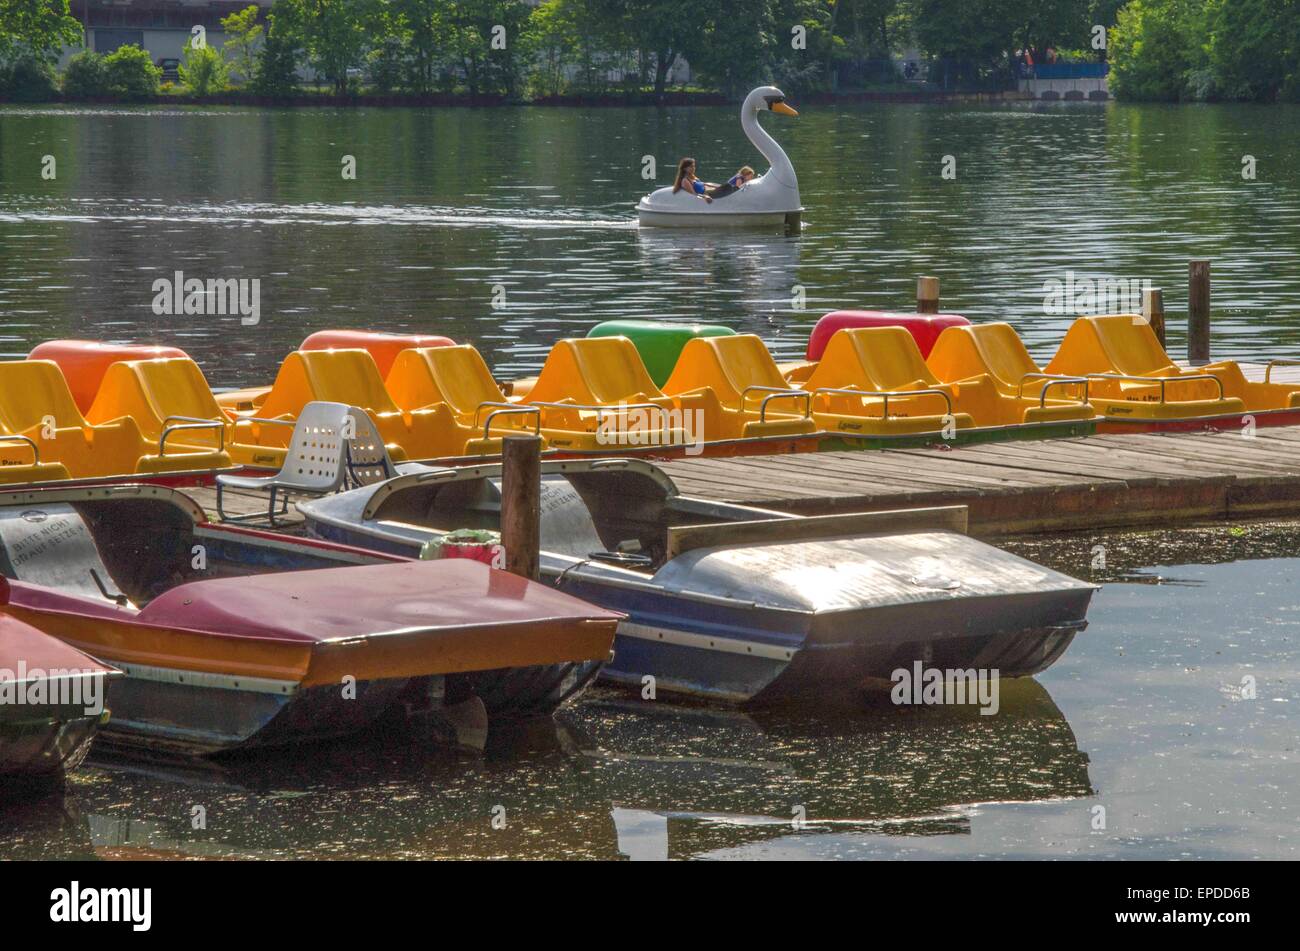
pixel 687 537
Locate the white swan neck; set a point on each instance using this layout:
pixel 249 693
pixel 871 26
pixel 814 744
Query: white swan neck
pixel 781 169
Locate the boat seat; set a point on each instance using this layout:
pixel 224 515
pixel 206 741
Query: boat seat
pixel 1024 393
pixel 314 463
pixel 84 362
pixel 171 402
pixel 659 342
pixel 52 546
pixel 383 347
pixel 35 402
pixel 745 379
pixel 924 328
pixel 351 377
pixel 898 393
pixel 458 377
pixel 1131 375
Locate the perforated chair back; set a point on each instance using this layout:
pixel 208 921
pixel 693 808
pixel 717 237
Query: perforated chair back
pixel 314 461
pixel 367 459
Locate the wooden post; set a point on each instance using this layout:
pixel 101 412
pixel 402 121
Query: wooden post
pixel 521 490
pixel 927 295
pixel 1153 309
pixel 1198 312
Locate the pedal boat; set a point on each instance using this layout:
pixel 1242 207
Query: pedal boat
pixel 740 604
pixel 47 717
pixel 1132 378
pixel 767 200
pixel 231 638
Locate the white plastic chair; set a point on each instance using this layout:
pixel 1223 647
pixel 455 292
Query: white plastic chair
pixel 366 459
pixel 313 465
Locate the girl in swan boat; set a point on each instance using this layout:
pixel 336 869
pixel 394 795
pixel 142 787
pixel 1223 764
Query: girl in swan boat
pixel 686 180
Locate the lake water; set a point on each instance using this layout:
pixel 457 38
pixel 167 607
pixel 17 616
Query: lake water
pixel 449 203
pixel 1146 716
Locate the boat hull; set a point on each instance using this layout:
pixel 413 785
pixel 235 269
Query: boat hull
pixel 46 745
pixel 655 218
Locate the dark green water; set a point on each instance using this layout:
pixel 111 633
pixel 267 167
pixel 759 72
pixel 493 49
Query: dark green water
pixel 1144 716
pixel 447 204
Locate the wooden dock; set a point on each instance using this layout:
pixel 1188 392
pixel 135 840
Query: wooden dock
pixel 1052 485
pixel 1086 482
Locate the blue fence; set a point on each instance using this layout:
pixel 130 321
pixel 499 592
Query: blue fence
pixel 1067 71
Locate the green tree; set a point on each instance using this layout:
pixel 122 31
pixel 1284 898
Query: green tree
pixel 242 33
pixel 1159 50
pixel 204 69
pixel 129 73
pixel 333 33
pixel 276 73
pixel 36 28
pixel 1254 48
pixel 84 76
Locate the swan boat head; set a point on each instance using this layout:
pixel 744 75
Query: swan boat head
pixel 772 198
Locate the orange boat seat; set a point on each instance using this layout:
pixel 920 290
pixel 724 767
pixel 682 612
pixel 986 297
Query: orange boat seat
pixel 35 402
pixel 740 371
pixel 84 362
pixel 383 347
pixel 1131 375
pixel 351 377
pixel 1024 393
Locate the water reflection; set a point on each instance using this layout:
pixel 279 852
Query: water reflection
pixel 613 778
pixel 540 204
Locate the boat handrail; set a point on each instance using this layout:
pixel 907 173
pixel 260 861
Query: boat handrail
pixel 1054 379
pixel 508 409
pixel 191 422
pixel 601 410
pixel 31 444
pixel 1283 362
pixel 886 394
pixel 776 393
pixel 1162 380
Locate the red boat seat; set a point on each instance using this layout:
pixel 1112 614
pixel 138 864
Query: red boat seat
pixel 84 362
pixel 924 328
pixel 383 347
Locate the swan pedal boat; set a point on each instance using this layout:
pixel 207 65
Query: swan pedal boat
pixel 741 604
pixel 769 199
pixel 232 638
pixel 46 724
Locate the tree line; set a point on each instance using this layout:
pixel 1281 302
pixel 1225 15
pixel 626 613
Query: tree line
pixel 1158 49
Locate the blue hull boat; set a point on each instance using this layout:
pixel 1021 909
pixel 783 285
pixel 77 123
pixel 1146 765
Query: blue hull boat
pixel 740 604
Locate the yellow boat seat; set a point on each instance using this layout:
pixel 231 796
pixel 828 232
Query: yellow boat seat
pixel 351 377
pixel 170 398
pixel 35 402
pixel 1023 393
pixel 1132 377
pixel 457 376
pixel 873 381
pixel 597 389
pixel 740 371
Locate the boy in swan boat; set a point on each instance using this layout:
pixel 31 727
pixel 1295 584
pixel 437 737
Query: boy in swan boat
pixel 734 184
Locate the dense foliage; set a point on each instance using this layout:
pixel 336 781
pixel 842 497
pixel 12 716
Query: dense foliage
pixel 1158 49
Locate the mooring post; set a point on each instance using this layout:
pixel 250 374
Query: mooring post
pixel 1198 312
pixel 521 490
pixel 927 295
pixel 1153 309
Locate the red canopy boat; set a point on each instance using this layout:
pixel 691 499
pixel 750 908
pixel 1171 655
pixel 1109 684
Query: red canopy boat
pixel 52 700
pixel 225 644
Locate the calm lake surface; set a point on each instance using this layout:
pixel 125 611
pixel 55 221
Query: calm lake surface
pixel 1144 716
pixel 448 203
